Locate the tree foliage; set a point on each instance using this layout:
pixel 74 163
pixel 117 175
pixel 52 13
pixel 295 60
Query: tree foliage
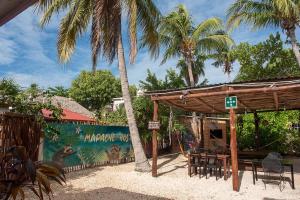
pixel 8 91
pixel 268 59
pixel 58 91
pixel 106 20
pixel 284 14
pixel 95 90
pixel 171 80
pixel 182 38
pixel 276 131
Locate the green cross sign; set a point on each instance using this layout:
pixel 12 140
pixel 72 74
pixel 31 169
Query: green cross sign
pixel 230 102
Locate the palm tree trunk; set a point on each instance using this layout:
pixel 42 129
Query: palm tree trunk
pixel 291 34
pixel 190 71
pixel 192 82
pixel 141 162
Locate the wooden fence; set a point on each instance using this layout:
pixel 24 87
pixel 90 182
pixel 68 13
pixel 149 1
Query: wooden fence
pixel 20 130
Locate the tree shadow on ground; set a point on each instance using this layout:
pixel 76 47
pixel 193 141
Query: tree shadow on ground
pixel 105 193
pixel 174 169
pixel 170 158
pixel 87 172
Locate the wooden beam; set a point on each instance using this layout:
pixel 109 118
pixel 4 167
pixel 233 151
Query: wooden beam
pixel 207 104
pixel 276 100
pixel 179 106
pixel 154 141
pixel 20 7
pixel 233 148
pixel 228 92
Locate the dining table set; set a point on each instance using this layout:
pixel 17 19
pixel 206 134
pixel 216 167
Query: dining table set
pixel 207 161
pixel 204 162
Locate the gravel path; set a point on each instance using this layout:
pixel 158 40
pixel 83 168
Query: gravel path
pixel 121 182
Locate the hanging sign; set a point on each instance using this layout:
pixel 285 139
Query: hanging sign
pixel 231 102
pixel 152 125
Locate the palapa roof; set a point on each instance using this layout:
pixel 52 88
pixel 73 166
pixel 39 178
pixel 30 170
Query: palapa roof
pixel 262 95
pixel 68 115
pixel 67 104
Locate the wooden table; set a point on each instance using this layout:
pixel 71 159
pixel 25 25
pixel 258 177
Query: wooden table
pixel 223 157
pixel 284 162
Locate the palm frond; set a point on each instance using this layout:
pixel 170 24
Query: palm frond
pixel 148 19
pixel 207 27
pixel 72 25
pixel 51 7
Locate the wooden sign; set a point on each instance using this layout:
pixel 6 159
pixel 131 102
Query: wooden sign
pixel 152 125
pixel 231 102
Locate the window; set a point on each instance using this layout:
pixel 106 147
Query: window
pixel 216 134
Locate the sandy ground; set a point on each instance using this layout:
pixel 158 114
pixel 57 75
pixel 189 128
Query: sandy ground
pixel 173 182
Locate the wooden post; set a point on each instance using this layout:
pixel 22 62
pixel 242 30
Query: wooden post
pixel 257 135
pixel 233 147
pixel 154 141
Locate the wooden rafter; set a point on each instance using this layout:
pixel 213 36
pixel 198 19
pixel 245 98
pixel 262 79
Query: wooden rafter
pixel 221 93
pixel 207 104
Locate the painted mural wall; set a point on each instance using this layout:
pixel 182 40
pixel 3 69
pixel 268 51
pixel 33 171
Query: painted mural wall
pixel 80 144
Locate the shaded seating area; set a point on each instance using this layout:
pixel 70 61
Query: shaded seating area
pixel 206 162
pixel 251 97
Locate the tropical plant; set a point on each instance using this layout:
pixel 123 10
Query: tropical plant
pixel 8 91
pixel 197 69
pixel 106 38
pixel 33 91
pixel 182 39
pixel 224 57
pixel 284 14
pixel 58 91
pixel 276 132
pixel 172 80
pixel 94 90
pixel 19 172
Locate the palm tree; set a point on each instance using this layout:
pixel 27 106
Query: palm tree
pixel 224 57
pixel 182 39
pixel 197 69
pixel 106 39
pixel 58 91
pixel 268 13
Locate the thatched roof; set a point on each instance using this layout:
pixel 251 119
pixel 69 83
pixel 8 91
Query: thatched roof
pixel 263 95
pixel 67 103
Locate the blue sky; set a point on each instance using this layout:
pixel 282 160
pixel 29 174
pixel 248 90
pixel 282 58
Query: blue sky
pixel 28 53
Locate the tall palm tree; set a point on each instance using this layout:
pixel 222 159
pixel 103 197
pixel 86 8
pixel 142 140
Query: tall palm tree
pixel 197 69
pixel 106 39
pixel 182 38
pixel 268 13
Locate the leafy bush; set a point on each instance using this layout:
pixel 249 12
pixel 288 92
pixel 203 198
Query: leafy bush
pixel 275 129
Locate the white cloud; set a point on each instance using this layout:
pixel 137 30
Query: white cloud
pixel 60 77
pixel 7 51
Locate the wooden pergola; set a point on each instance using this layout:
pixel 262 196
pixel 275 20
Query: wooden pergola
pixel 255 96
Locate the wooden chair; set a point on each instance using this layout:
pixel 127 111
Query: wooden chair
pixel 213 165
pixel 196 161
